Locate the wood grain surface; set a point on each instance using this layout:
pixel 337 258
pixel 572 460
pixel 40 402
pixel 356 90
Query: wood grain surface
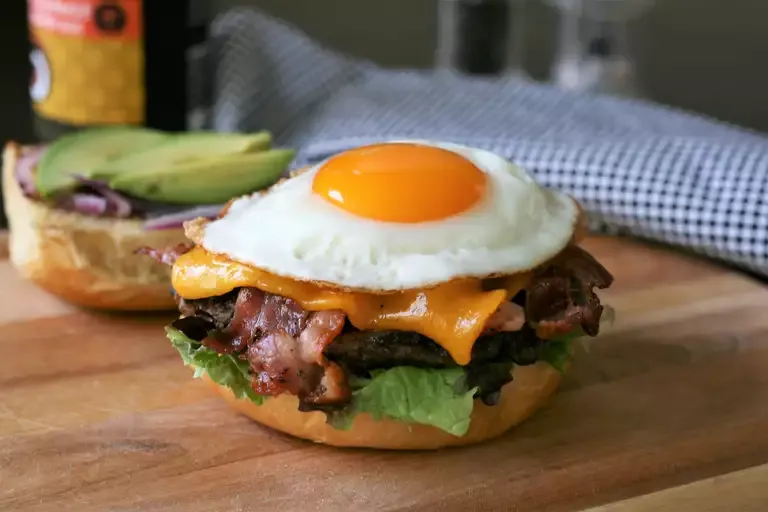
pixel 666 411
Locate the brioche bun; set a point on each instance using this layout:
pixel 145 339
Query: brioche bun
pixel 532 386
pixel 88 261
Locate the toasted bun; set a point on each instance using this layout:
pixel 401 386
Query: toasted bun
pixel 88 261
pixel 532 386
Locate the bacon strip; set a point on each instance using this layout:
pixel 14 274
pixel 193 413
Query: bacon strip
pixel 561 297
pixel 284 363
pixel 323 328
pixel 166 256
pixel 284 346
pixel 509 317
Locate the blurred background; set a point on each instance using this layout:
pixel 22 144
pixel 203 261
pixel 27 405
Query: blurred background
pixel 702 55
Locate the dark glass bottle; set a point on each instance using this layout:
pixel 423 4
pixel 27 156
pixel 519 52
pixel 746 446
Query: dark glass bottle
pixel 113 62
pixel 481 37
pixel 483 31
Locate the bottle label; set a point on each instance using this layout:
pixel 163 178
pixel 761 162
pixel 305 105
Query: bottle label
pixel 88 61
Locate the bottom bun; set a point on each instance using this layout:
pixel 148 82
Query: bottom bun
pixel 88 261
pixel 532 386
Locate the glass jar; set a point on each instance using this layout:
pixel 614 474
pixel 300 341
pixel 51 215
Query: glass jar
pixel 593 52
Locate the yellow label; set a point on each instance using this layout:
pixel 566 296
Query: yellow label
pixel 88 61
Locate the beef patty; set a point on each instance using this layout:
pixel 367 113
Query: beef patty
pixel 310 354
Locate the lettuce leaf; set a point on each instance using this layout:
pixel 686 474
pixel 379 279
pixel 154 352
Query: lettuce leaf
pixel 439 398
pixel 225 370
pixel 415 395
pixel 436 397
pixel 558 352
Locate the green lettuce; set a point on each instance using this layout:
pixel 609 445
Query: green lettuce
pixel 558 353
pixel 225 369
pixel 437 397
pixel 440 398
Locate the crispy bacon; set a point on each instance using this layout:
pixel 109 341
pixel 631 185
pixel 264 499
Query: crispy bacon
pixel 284 346
pixel 508 318
pixel 218 311
pixel 168 255
pixel 284 363
pixel 561 297
pixel 258 314
pixel 296 365
pixel 322 329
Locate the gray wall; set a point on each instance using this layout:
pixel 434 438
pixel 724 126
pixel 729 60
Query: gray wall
pixel 703 55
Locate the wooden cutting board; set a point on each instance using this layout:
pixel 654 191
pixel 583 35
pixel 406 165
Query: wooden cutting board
pixel 667 411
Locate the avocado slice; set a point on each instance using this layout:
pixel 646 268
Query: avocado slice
pixel 182 149
pixel 83 151
pixel 209 181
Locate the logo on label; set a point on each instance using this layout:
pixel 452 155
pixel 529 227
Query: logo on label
pixel 40 84
pixel 109 18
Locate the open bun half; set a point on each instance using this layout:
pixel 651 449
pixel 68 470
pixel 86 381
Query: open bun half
pixel 88 261
pixel 532 387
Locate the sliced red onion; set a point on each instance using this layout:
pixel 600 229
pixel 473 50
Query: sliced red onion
pixel 25 169
pixel 101 200
pixel 147 208
pixel 117 205
pixel 176 219
pixel 88 204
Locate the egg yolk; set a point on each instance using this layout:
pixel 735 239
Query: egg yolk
pixel 405 183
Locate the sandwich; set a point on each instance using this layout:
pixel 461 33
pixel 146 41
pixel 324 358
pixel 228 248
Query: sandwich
pixel 78 208
pixel 403 295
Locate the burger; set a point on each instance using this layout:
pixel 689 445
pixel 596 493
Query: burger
pixel 79 207
pixel 403 295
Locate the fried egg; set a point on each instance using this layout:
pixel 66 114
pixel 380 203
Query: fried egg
pixel 399 215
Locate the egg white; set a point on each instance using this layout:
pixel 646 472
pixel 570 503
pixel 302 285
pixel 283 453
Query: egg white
pixel 292 232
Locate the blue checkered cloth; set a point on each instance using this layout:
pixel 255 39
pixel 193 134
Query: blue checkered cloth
pixel 639 169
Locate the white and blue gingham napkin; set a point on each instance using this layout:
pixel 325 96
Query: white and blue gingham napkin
pixel 638 169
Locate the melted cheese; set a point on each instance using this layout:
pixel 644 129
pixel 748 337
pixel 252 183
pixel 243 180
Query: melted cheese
pixel 452 314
